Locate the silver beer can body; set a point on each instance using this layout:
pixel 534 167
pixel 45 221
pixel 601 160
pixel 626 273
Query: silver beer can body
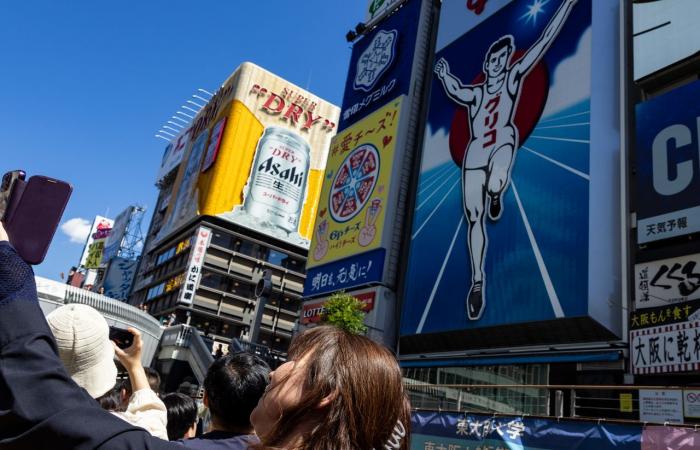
pixel 277 184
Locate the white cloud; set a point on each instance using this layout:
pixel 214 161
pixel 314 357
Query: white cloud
pixel 436 149
pixel 572 78
pixel 77 229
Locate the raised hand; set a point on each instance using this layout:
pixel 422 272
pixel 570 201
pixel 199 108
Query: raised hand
pixel 442 68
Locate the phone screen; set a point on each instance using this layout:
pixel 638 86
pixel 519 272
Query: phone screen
pixel 36 213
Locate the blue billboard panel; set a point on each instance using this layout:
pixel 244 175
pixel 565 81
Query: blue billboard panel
pixel 119 277
pixel 503 227
pixel 380 65
pixel 439 430
pixel 359 270
pixel 668 164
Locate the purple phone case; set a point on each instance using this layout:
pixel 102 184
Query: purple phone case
pixel 33 214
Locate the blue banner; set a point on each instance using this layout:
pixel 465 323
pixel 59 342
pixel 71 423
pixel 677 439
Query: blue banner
pixel 668 181
pixel 347 273
pixel 380 65
pixel 119 277
pixel 452 431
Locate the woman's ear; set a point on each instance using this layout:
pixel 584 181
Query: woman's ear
pixel 327 400
pixel 205 399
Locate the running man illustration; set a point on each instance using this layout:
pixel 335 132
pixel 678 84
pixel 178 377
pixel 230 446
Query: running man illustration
pixel 488 161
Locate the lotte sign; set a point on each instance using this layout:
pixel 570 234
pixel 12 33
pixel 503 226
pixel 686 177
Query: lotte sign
pixel 312 312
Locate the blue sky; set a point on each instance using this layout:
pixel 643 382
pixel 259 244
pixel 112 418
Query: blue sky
pixel 84 85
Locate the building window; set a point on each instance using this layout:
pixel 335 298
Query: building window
pixel 277 258
pixel 447 392
pixel 214 280
pixel 155 291
pixel 241 289
pixel 222 240
pixel 253 250
pixel 176 249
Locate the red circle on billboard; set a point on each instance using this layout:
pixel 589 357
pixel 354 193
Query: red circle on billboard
pixel 533 97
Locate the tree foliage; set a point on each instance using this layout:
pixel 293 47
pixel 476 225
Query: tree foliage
pixel 344 311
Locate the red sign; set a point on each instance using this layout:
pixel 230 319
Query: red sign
pixel 311 313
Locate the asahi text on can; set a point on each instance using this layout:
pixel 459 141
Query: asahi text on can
pixel 278 178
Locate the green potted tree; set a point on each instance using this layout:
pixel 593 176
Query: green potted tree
pixel 344 311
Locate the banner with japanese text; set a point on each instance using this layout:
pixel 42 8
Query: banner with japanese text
pixel 381 63
pixel 664 315
pixel 194 269
pixel 119 277
pixel 671 348
pixel 667 281
pixel 353 203
pixel 454 431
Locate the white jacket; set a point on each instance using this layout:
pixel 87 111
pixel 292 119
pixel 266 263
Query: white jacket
pixel 147 411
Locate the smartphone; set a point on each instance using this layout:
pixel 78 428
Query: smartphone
pixel 121 337
pixel 33 211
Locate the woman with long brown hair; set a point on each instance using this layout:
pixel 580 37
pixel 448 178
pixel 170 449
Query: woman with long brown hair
pixel 338 391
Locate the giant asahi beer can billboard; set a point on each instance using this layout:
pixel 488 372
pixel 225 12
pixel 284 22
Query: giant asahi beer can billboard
pixel 255 156
pixel 516 219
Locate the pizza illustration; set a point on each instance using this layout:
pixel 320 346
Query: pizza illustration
pixel 354 182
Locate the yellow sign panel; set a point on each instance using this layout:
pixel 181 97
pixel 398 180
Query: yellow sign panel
pixel 256 157
pixel 626 403
pixel 354 197
pixel 94 256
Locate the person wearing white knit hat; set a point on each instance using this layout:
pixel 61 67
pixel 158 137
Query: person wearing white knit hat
pixel 82 338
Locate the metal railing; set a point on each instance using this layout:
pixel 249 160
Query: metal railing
pixel 199 354
pixel 621 403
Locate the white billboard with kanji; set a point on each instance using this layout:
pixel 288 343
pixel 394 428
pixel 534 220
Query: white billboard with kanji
pixel 671 348
pixel 667 282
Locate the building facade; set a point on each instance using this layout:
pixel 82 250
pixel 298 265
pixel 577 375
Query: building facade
pixel 239 192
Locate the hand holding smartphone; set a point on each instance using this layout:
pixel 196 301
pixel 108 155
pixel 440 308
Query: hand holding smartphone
pixel 123 338
pixel 31 211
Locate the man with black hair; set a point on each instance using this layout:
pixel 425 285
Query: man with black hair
pixel 182 416
pixel 232 388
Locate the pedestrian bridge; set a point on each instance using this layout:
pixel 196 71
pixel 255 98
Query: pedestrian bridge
pixel 53 294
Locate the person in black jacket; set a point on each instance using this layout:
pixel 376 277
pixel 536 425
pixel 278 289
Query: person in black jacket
pixel 40 406
pixel 232 388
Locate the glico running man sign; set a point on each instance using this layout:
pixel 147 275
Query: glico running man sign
pixel 504 195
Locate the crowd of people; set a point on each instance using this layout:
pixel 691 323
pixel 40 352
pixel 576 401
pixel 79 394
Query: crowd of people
pixel 59 387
